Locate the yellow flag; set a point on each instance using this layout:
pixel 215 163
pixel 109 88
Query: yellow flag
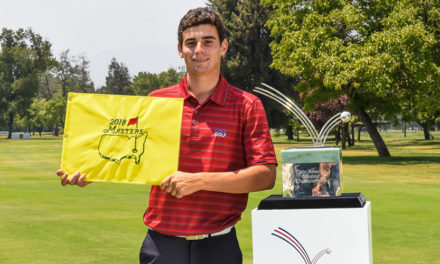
pixel 116 138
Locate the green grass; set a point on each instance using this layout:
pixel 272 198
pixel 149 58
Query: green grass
pixel 42 222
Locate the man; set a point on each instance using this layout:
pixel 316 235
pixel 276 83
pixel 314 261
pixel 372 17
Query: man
pixel 225 153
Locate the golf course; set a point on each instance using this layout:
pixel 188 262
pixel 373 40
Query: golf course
pixel 43 222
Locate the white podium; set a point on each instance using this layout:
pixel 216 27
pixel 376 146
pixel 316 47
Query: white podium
pixel 312 230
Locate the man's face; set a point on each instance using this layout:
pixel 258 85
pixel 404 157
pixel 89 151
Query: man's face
pixel 202 50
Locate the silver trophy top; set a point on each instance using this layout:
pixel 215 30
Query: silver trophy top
pixel 317 138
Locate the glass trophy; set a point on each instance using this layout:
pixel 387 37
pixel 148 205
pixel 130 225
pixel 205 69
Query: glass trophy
pixel 313 171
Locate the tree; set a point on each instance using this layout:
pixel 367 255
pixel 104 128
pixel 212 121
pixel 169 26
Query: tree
pixel 24 57
pixel 56 107
pixel 118 79
pixel 65 72
pixel 323 112
pixel 81 76
pixel 378 53
pixel 420 94
pixel 169 77
pixel 423 109
pixel 49 84
pixel 247 61
pixel 145 82
pixel 73 73
pixel 69 74
pixel 38 114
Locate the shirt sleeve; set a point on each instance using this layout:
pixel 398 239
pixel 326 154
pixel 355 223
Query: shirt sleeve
pixel 257 141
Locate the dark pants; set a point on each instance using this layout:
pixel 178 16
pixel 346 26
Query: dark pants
pixel 163 249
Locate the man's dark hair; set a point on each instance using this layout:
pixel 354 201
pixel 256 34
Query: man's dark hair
pixel 200 16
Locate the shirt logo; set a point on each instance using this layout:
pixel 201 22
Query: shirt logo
pixel 220 132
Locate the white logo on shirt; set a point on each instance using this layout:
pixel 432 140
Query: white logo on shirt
pixel 220 132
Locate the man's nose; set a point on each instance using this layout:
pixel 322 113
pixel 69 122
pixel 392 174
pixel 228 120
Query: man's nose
pixel 199 47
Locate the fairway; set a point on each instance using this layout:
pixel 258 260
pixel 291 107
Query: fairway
pixel 42 222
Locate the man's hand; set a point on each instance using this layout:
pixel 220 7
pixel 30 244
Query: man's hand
pixel 76 179
pixel 180 184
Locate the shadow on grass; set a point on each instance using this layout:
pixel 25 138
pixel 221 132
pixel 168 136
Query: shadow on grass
pixel 396 160
pixel 365 144
pixel 292 141
pixel 309 143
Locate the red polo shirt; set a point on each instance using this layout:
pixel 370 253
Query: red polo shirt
pixel 227 132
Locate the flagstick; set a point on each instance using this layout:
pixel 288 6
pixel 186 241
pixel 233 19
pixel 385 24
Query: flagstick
pixel 135 137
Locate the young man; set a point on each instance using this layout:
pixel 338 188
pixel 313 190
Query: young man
pixel 225 153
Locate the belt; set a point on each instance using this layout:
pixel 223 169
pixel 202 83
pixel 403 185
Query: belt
pixel 203 236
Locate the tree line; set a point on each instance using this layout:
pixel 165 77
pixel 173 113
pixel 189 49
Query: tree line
pixel 379 60
pixel 34 83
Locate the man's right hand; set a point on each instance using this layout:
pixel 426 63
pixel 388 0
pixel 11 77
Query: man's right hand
pixel 76 179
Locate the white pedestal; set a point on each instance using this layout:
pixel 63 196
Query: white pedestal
pixel 324 236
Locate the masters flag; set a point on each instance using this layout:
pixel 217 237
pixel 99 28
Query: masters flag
pixel 116 138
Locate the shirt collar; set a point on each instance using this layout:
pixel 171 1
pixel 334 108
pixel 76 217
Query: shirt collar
pixel 218 96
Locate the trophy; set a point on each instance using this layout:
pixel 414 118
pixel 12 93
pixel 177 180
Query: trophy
pixel 313 171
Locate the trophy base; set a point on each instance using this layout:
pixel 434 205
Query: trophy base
pixel 346 200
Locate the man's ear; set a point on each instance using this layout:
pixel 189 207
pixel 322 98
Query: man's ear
pixel 224 47
pixel 179 49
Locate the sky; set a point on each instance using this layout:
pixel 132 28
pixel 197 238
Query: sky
pixel 142 34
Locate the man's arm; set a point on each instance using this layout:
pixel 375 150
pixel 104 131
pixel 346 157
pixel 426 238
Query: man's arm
pixel 250 179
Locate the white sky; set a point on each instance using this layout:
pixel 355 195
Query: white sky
pixel 142 34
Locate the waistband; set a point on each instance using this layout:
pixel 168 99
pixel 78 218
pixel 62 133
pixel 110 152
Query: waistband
pixel 203 236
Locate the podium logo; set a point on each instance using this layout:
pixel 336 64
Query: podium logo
pixel 122 139
pixel 293 242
